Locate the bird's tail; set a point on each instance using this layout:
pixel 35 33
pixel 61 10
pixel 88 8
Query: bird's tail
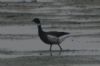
pixel 72 35
pixel 65 37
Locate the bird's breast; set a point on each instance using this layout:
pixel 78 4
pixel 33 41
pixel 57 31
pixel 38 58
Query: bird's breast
pixel 44 38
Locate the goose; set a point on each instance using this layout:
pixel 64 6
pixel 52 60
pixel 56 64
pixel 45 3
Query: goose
pixel 51 37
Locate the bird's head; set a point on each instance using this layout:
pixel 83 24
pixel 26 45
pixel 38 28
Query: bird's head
pixel 36 20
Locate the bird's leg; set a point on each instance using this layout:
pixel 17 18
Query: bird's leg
pixel 51 50
pixel 60 49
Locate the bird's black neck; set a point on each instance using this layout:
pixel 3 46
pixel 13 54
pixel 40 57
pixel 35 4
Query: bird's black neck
pixel 40 28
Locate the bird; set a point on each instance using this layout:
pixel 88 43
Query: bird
pixel 50 37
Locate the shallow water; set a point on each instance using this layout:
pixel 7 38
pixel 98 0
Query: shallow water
pixel 86 44
pixel 80 42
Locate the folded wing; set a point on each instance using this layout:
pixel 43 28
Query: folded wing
pixel 57 34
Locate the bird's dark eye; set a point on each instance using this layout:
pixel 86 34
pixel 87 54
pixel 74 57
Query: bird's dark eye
pixel 36 20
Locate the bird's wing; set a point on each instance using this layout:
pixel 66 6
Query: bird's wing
pixel 52 38
pixel 57 34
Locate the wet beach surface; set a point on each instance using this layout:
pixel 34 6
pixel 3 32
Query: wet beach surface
pixel 85 60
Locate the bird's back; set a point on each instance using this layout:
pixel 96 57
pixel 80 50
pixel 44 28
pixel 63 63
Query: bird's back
pixel 57 34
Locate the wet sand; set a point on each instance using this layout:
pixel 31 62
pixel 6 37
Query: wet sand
pixel 76 60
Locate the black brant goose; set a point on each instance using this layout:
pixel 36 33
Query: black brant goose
pixel 52 37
